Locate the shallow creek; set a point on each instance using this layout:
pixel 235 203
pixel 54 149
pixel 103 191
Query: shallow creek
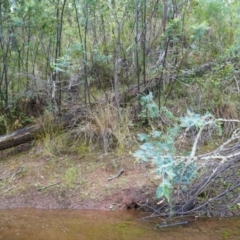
pixel 28 224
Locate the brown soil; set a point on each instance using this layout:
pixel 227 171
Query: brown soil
pixel 73 181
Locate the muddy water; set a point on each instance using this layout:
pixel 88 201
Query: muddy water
pixel 91 225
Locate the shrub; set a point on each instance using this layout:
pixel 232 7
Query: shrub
pixel 158 147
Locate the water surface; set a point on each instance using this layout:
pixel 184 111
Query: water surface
pixel 27 224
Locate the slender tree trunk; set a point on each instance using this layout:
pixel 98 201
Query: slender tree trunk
pixel 57 75
pixel 137 39
pixel 116 67
pixel 59 52
pixel 4 77
pixel 1 41
pixel 78 24
pixel 166 45
pixel 103 31
pixel 86 90
pixel 27 56
pixel 144 39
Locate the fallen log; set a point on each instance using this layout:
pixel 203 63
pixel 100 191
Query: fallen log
pixel 29 133
pixel 20 136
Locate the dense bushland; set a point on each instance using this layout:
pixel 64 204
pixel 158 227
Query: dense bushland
pixel 58 53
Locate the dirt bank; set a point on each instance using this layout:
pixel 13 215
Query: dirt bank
pixel 32 179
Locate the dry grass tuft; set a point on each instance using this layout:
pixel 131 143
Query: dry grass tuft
pixel 105 129
pixel 227 110
pixel 52 141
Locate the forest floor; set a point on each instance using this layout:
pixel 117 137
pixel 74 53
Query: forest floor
pixel 29 179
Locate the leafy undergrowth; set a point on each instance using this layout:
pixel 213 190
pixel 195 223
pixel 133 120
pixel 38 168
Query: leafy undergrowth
pixel 74 181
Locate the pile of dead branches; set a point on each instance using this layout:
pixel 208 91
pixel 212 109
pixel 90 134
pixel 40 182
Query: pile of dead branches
pixel 216 190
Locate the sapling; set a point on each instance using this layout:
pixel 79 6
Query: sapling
pixel 159 148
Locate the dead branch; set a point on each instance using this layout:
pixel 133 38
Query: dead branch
pixel 117 176
pixel 45 187
pixel 217 186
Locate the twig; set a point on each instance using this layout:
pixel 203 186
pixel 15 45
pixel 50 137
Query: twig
pixel 20 169
pixel 50 185
pixel 237 84
pixel 6 190
pixel 214 198
pixel 118 175
pixel 172 224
